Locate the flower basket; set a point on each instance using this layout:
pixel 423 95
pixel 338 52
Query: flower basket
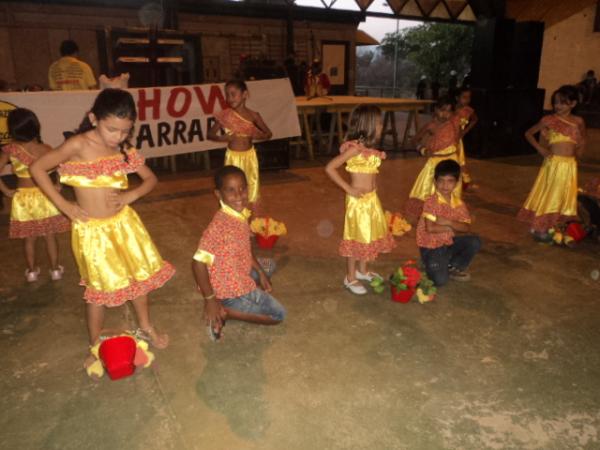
pixel 266 241
pixel 397 225
pixel 118 355
pixel 407 281
pixel 267 231
pixel 560 236
pixel 575 231
pixel 402 296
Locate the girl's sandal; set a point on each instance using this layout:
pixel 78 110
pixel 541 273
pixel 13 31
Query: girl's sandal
pixel 159 341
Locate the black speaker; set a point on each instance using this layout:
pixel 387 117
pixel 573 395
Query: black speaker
pixel 506 54
pixel 504 116
pixel 526 55
pixel 492 48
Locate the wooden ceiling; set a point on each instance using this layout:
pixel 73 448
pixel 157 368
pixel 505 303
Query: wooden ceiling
pixel 548 11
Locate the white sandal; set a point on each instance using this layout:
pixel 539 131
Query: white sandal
pixel 355 287
pixel 32 275
pixel 369 276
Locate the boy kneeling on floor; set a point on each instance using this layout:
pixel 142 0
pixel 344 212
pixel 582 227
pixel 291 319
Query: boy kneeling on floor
pixel 225 268
pixel 446 248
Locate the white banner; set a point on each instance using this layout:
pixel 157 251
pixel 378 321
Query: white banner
pixel 171 120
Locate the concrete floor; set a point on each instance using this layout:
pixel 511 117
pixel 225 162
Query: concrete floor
pixel 508 360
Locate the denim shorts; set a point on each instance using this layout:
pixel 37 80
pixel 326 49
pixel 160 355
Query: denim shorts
pixel 257 302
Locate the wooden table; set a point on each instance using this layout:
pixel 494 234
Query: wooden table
pixel 337 105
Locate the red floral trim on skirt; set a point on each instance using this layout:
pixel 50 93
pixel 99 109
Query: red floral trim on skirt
pixel 42 227
pixel 414 207
pixel 366 252
pixel 543 223
pixel 134 290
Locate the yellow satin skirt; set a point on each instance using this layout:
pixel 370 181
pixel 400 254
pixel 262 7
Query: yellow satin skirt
pixel 366 232
pixel 425 185
pixel 33 214
pixel 248 162
pixel 462 160
pixel 553 197
pixel 117 259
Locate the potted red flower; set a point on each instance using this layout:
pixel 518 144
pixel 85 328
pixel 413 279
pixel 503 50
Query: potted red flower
pixel 404 282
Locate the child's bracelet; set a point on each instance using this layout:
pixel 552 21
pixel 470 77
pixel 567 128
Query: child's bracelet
pixel 210 297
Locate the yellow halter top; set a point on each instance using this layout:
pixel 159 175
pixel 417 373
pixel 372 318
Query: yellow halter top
pixel 367 161
pixel 106 172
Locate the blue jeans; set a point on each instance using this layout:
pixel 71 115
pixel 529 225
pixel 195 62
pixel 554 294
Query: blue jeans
pixel 459 255
pixel 258 302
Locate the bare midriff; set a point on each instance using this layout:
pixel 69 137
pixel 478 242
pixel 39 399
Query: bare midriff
pixel 95 201
pixel 366 182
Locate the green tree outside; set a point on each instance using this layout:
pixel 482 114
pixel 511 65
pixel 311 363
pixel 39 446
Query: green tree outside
pixel 435 49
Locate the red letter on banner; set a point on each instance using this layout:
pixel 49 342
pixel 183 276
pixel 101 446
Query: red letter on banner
pixel 153 103
pixel 173 99
pixel 215 94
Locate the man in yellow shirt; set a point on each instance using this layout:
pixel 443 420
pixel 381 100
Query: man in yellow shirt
pixel 69 73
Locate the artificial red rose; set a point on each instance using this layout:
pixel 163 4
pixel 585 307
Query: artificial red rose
pixel 413 276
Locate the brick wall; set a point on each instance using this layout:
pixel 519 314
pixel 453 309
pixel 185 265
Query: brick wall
pixel 30 36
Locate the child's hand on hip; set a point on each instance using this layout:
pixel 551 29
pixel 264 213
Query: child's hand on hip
pixel 355 192
pixel 118 200
pixel 75 212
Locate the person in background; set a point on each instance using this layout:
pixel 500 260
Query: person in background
pixel 588 85
pixel 241 126
pixel 552 200
pixel 32 214
pixel 467 119
pixel 421 86
pixel 438 140
pixel 69 73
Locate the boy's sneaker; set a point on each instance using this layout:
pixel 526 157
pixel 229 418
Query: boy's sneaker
pixel 57 274
pixel 458 275
pixel 32 275
pixel 355 287
pixel 369 276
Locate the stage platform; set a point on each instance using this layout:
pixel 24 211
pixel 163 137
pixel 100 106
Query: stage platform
pixel 508 360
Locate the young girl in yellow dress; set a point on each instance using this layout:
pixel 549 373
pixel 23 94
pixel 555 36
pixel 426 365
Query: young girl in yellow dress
pixel 466 120
pixel 553 198
pixel 241 126
pixel 116 257
pixel 366 231
pixel 439 141
pixel 32 215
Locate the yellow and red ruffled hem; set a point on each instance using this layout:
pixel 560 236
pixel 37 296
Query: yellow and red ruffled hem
pixel 544 222
pixel 42 227
pixel 366 252
pixel 134 290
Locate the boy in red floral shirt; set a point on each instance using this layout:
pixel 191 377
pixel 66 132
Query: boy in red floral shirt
pixel 224 266
pixel 444 253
